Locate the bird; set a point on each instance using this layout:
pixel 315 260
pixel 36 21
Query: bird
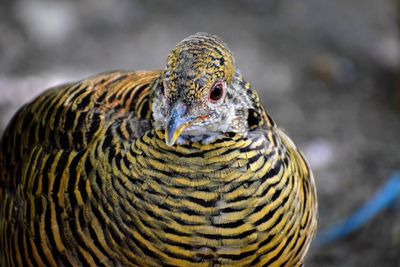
pixel 180 166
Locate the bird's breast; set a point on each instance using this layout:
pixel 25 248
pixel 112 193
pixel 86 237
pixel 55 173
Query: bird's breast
pixel 200 195
pixel 220 201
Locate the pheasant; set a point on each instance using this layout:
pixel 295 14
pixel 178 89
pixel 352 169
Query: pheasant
pixel 173 167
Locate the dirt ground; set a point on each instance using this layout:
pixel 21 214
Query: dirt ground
pixel 327 72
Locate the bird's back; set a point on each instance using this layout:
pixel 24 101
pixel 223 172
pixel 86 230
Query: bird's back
pixel 42 151
pixel 86 180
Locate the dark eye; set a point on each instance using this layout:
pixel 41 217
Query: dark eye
pixel 217 91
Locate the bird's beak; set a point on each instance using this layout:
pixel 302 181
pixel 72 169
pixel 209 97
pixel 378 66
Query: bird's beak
pixel 176 123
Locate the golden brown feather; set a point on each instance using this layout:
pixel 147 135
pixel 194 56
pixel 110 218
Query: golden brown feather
pixel 180 167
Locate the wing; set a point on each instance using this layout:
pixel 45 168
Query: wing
pixel 46 163
pixel 307 192
pixel 70 117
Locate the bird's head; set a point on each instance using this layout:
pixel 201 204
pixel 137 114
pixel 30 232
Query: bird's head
pixel 201 93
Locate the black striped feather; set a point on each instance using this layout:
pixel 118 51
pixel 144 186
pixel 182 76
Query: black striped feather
pixel 86 181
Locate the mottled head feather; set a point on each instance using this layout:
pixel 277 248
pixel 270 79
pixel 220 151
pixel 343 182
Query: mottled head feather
pixel 182 103
pixel 196 63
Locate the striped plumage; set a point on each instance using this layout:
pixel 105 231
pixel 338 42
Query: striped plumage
pixel 143 169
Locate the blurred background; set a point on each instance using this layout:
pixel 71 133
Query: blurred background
pixel 327 72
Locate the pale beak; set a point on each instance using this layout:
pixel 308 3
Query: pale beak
pixel 176 123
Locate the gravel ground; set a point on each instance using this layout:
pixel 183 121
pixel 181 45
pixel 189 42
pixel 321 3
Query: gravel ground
pixel 327 71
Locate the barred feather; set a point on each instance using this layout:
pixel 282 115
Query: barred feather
pixel 86 180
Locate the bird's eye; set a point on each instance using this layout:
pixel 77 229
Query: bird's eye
pixel 217 91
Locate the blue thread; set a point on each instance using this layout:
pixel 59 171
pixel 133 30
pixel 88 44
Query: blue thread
pixel 384 198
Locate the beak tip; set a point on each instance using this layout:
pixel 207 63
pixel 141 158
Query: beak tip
pixel 170 138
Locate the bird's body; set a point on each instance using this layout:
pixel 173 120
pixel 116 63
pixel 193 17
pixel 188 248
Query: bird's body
pixel 132 169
